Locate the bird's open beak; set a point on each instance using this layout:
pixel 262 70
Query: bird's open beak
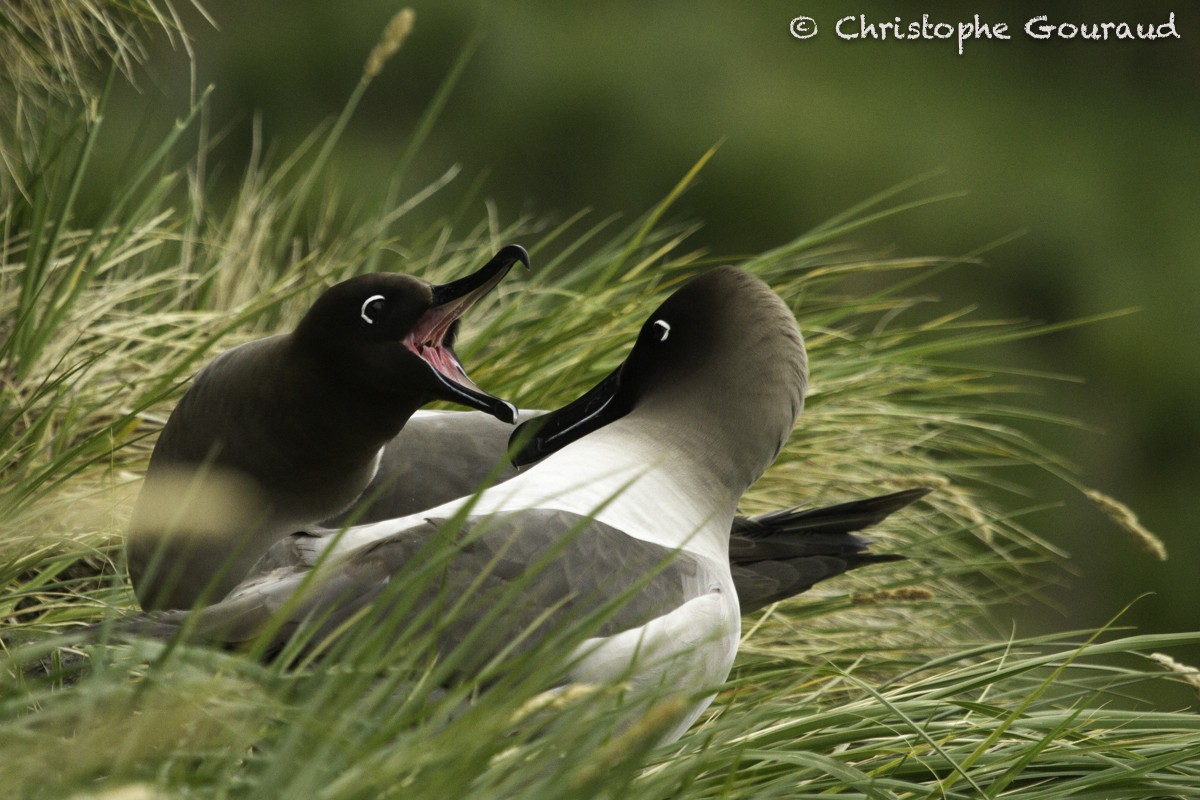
pixel 432 338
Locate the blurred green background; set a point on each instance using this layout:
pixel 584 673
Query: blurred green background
pixel 1090 151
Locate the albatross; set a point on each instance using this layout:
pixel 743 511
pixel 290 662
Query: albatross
pixel 445 455
pixel 283 432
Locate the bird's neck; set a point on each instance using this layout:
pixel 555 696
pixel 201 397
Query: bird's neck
pixel 347 416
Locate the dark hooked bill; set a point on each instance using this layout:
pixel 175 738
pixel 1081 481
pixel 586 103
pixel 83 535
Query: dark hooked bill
pixel 432 338
pixel 605 402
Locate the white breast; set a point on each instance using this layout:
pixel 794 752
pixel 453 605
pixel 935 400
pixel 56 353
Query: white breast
pixel 619 479
pixel 612 477
pixel 687 651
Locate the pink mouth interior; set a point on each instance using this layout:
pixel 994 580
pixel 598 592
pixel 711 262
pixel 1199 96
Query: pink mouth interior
pixel 427 339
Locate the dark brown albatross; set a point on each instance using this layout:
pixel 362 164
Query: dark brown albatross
pixel 284 432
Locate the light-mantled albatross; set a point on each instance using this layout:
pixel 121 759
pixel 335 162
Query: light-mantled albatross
pixel 283 432
pixel 444 455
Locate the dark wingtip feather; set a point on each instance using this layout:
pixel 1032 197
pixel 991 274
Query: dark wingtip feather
pixel 848 517
pixel 784 553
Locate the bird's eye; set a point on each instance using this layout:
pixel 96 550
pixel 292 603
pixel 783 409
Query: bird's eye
pixel 371 308
pixel 663 329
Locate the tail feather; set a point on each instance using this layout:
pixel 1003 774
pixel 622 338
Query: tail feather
pixel 784 553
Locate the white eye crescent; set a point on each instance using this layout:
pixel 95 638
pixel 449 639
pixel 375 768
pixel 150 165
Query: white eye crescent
pixel 664 329
pixel 363 311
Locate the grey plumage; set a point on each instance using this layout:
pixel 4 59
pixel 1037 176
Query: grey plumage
pixel 565 566
pixel 439 456
pixel 443 455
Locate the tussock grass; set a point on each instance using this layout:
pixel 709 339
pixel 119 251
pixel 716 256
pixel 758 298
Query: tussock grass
pixel 891 682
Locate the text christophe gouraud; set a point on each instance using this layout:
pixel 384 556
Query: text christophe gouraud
pixel 861 27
